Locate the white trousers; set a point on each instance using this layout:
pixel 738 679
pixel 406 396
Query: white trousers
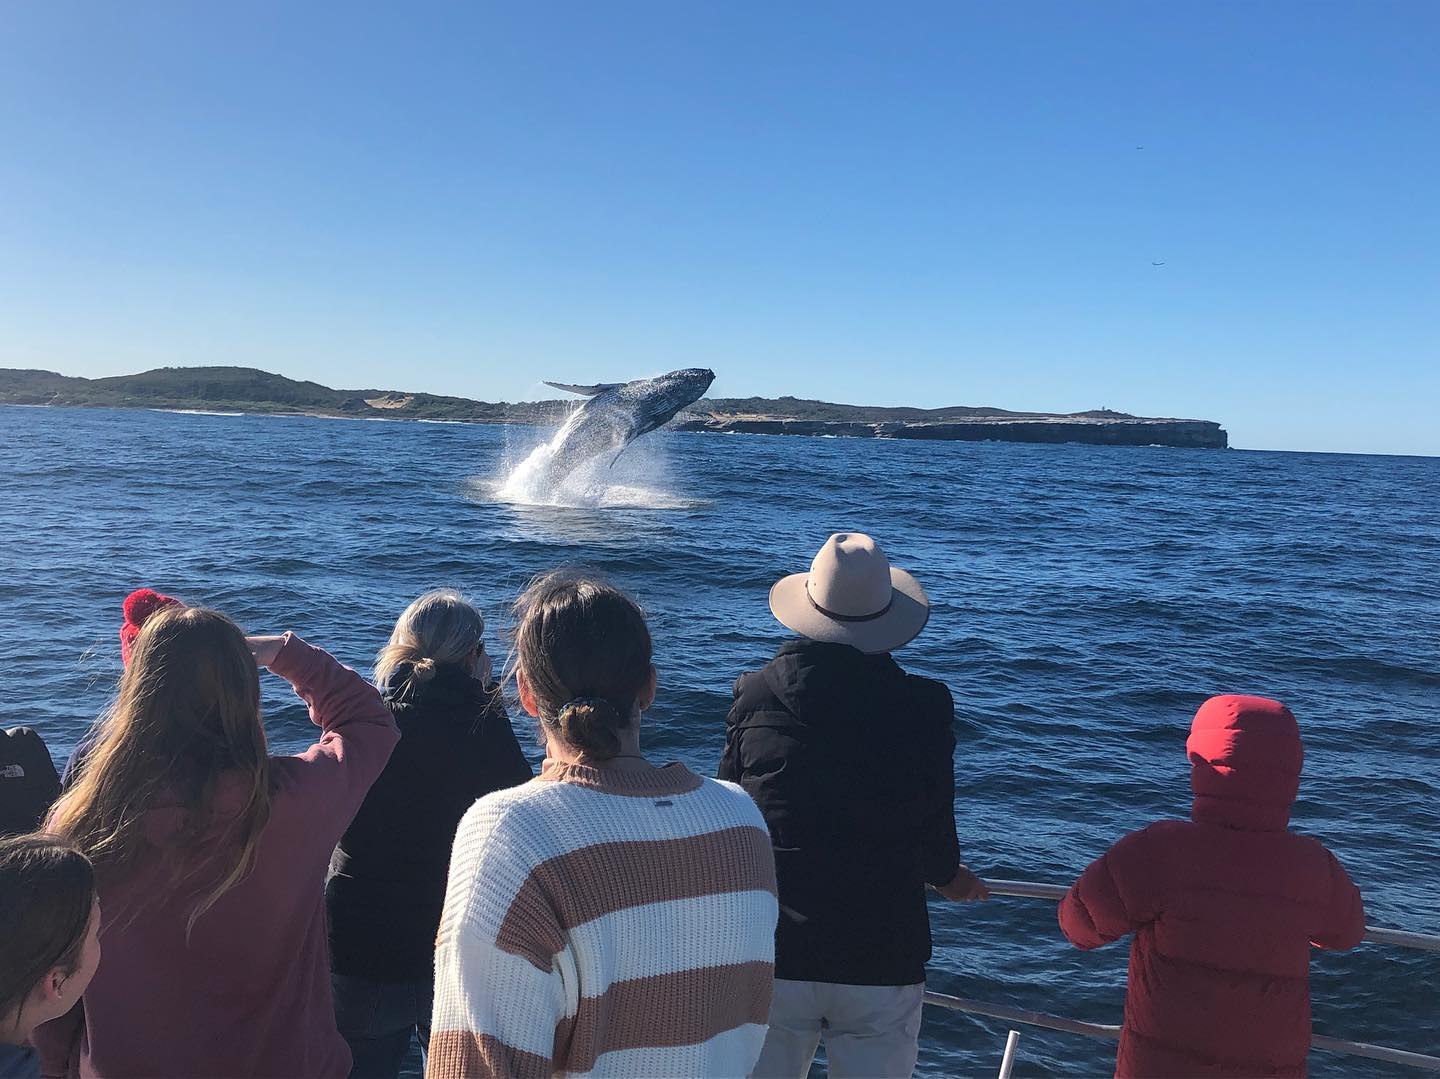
pixel 870 1031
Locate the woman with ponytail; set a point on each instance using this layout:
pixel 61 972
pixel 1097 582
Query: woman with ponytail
pixel 610 908
pixel 209 857
pixel 387 879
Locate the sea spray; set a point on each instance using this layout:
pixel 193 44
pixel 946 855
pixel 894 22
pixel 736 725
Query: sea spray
pixel 636 479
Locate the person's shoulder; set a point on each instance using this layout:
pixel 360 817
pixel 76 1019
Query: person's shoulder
pixel 1308 846
pixel 515 801
pixel 724 791
pixel 1167 830
pixel 22 750
pixel 733 798
pixel 22 733
pixel 512 818
pixel 751 689
pixel 26 737
pixel 930 693
pixel 1157 840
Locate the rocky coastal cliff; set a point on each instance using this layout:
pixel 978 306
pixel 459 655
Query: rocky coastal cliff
pixel 1129 431
pixel 244 389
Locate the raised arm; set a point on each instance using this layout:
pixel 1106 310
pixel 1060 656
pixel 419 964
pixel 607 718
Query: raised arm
pixel 499 999
pixel 1117 894
pixel 358 732
pixel 1343 924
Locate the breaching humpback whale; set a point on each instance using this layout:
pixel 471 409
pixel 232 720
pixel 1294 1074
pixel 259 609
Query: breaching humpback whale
pixel 617 413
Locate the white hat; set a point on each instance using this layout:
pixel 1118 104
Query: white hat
pixel 852 595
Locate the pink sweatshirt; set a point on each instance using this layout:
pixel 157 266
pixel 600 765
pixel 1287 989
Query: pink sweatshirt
pixel 250 993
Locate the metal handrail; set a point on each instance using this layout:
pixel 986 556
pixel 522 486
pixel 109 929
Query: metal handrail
pixel 1030 890
pixel 1400 938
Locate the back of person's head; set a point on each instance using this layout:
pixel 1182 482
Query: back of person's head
pixel 439 629
pixel 187 714
pixel 47 912
pixel 582 650
pixel 1245 761
pixel 139 605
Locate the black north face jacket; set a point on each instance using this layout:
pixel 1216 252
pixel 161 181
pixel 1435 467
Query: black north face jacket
pixel 28 783
pixel 850 759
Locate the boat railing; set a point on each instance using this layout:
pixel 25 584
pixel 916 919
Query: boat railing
pixel 1030 890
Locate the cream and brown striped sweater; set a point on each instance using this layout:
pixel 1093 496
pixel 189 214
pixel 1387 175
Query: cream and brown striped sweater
pixel 605 922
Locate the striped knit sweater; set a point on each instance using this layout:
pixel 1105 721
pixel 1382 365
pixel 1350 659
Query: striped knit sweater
pixel 605 922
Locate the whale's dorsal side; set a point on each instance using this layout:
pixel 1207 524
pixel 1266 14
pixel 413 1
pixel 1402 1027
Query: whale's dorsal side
pixel 585 391
pixel 614 415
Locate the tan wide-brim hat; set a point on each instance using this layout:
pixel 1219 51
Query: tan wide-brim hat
pixel 852 595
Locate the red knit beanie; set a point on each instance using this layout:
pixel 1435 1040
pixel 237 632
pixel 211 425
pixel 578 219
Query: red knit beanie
pixel 140 605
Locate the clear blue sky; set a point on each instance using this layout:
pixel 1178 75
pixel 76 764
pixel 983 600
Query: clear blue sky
pixel 877 203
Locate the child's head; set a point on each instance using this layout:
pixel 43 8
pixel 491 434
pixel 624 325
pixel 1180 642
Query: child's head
pixel 582 661
pixel 438 629
pixel 186 715
pixel 49 931
pixel 1245 759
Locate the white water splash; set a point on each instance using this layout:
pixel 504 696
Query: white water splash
pixel 636 480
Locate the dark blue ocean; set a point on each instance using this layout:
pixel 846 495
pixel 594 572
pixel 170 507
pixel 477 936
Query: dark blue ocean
pixel 1086 600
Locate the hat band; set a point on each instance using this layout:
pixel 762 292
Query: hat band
pixel 851 617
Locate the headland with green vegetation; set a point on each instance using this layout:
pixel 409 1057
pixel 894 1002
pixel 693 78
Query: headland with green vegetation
pixel 248 390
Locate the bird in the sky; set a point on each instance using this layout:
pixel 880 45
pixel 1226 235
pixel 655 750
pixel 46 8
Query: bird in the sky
pixel 1157 264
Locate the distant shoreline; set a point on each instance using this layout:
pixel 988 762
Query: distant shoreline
pixel 240 391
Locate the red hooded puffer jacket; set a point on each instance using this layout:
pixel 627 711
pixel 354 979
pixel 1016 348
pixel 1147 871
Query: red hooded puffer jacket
pixel 1224 908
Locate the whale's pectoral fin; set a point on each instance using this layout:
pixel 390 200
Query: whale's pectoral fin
pixel 585 391
pixel 630 437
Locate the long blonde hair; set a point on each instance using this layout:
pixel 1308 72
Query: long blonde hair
pixel 188 710
pixel 439 628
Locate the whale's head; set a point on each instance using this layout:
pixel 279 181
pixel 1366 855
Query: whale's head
pixel 658 400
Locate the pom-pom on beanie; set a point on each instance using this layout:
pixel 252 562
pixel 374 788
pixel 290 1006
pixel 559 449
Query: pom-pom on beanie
pixel 140 605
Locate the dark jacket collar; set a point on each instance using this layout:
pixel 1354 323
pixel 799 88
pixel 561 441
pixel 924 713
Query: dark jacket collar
pixel 830 652
pixel 806 674
pixel 449 687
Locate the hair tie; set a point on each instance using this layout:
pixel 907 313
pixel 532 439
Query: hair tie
pixel 586 702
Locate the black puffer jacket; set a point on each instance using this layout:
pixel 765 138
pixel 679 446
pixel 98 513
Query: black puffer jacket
pixel 850 759
pixel 28 783
pixel 387 877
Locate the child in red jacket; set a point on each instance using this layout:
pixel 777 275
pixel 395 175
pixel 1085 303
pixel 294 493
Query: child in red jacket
pixel 1224 908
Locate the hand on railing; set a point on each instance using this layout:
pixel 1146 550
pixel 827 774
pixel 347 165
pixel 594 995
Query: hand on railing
pixel 964 887
pixel 1024 889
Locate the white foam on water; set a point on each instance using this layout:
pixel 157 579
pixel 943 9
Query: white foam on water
pixel 194 412
pixel 637 479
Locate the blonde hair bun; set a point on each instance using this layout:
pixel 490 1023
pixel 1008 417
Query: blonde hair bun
pixel 440 628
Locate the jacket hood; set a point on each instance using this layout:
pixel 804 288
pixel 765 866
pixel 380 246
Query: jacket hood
pixel 1245 760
